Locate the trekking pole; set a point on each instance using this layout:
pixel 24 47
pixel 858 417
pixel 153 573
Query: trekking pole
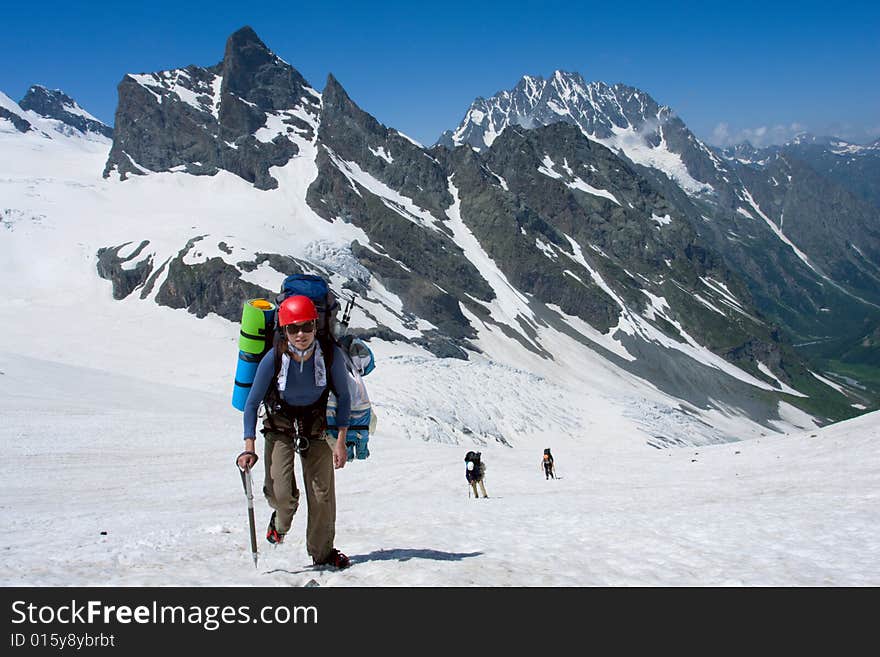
pixel 248 484
pixel 346 314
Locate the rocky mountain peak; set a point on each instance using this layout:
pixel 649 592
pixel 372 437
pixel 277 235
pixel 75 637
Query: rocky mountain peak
pixel 334 95
pixel 340 114
pixel 254 73
pixel 55 104
pixel 39 97
pixel 622 118
pixel 243 38
pixel 246 114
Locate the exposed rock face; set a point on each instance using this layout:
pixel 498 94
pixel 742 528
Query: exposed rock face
pixel 854 167
pixel 799 223
pixel 554 203
pixel 242 115
pixel 415 258
pixel 582 230
pixel 19 122
pixel 125 281
pixel 50 114
pixel 808 245
pixel 55 104
pixel 210 287
pixel 542 204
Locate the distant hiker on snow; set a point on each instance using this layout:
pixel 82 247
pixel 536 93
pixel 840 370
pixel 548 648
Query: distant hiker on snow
pixel 547 462
pixel 474 471
pixel 293 380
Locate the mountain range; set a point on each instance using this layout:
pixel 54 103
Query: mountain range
pixel 559 212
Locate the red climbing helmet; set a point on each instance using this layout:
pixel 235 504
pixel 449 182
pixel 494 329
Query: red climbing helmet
pixel 296 309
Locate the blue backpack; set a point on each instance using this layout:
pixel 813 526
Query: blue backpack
pixel 316 289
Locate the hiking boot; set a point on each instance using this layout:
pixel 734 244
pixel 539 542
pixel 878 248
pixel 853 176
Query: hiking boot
pixel 272 534
pixel 335 559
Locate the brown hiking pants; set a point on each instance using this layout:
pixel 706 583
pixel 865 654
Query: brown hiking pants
pixel 282 493
pixel 474 486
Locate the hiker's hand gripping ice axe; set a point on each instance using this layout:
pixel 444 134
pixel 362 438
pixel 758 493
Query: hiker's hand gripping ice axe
pixel 244 462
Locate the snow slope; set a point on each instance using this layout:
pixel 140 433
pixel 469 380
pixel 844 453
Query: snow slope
pixel 152 466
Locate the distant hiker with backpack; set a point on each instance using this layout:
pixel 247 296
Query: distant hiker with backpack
pixel 474 472
pixel 293 381
pixel 547 463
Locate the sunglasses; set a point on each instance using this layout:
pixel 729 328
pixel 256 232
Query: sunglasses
pixel 305 327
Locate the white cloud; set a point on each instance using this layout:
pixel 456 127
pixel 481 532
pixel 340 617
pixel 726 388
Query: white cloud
pixel 721 135
pixel 766 135
pixel 760 136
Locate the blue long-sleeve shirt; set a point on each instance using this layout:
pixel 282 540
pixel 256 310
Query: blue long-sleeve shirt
pixel 300 389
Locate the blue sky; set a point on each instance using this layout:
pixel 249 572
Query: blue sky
pixel 762 70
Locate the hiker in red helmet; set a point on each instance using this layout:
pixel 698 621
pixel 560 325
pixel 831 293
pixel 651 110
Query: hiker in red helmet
pixel 293 381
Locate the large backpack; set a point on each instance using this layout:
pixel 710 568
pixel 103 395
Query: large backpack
pixel 259 328
pixel 475 468
pixel 315 288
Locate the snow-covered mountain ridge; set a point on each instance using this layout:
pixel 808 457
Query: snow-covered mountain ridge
pixel 623 118
pixel 799 222
pixel 51 115
pixel 546 254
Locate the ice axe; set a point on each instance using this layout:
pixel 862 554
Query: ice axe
pixel 248 484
